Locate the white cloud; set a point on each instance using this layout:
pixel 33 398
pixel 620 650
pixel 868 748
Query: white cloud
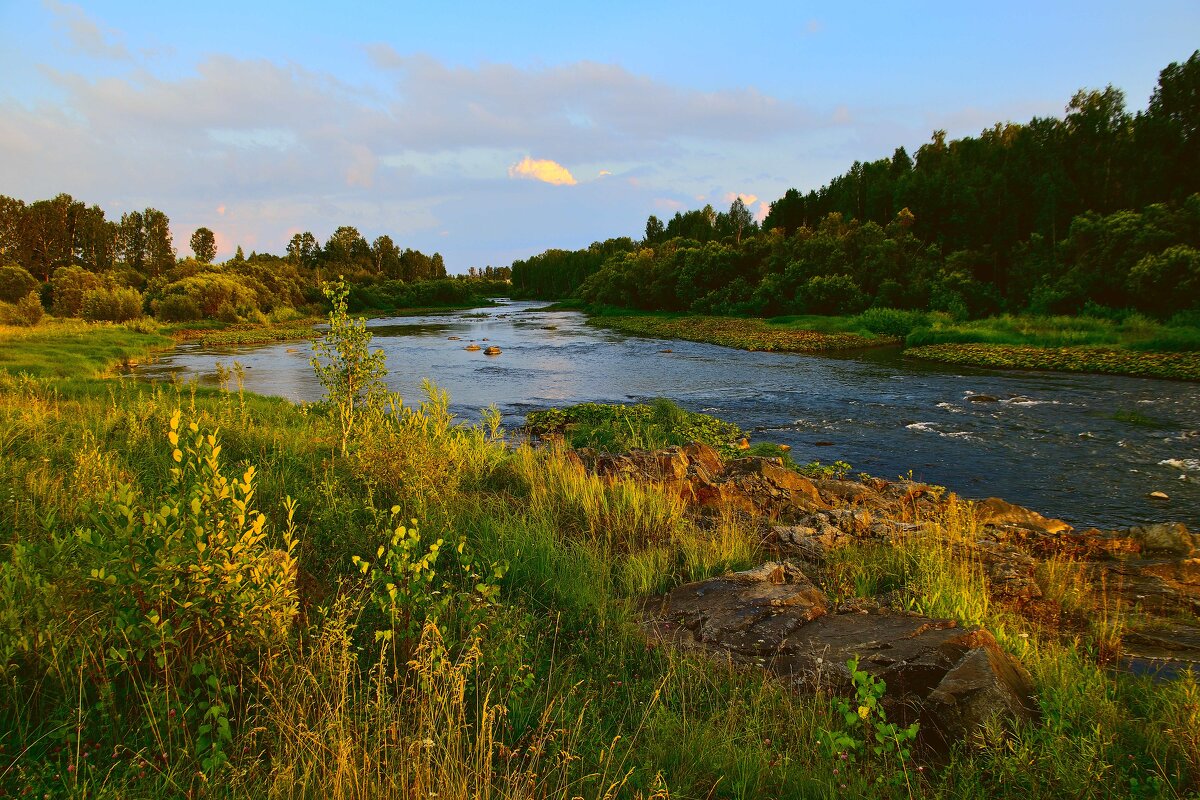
pixel 85 34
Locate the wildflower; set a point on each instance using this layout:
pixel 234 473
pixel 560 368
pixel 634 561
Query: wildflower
pixel 863 712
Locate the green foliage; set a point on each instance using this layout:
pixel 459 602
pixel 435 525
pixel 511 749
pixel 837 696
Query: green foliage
pixel 864 730
pixel 891 321
pixel 619 428
pixel 26 312
pixel 415 582
pixel 15 283
pixel 111 305
pixel 67 288
pixel 178 308
pixel 1175 366
pixel 204 245
pixel 350 373
pixel 190 576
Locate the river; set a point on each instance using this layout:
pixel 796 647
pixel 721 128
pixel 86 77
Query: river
pixel 1086 448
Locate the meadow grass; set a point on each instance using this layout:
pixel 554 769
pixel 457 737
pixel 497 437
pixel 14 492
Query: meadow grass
pixel 545 688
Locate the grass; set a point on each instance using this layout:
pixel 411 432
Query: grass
pixel 1106 360
pixel 742 333
pixel 72 348
pixel 1134 346
pixel 547 690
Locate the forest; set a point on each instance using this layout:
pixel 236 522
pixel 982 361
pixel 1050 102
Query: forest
pixel 1095 213
pixel 64 257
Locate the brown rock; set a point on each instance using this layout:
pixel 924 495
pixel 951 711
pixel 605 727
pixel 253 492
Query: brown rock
pixel 1167 538
pixel 995 511
pixel 952 680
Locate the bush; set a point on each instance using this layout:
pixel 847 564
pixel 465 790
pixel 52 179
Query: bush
pixel 178 308
pixel 68 286
pixel 891 321
pixel 15 283
pixel 190 576
pixel 111 305
pixel 27 311
pixel 832 295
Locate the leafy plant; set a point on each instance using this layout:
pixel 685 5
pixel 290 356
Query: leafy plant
pixel 413 582
pixel 351 374
pixel 192 573
pixel 865 731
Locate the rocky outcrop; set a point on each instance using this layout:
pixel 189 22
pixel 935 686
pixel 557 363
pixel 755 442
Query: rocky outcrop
pixel 952 680
pixel 1147 576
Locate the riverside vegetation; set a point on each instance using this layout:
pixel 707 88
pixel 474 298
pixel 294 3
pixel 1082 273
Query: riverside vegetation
pixel 207 593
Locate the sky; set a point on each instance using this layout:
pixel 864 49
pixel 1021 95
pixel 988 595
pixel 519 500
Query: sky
pixel 492 131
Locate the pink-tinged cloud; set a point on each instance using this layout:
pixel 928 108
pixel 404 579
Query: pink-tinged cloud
pixel 604 172
pixel 747 199
pixel 761 212
pixel 221 210
pixel 667 204
pixel 542 169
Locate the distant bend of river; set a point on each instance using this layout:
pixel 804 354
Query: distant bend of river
pixel 1086 448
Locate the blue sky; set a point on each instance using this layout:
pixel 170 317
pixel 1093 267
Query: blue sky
pixel 491 131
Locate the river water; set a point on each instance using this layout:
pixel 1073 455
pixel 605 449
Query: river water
pixel 1086 448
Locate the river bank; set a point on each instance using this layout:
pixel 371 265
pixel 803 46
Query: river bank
pixel 1136 347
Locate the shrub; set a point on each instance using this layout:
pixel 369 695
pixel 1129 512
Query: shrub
pixel 15 283
pixel 350 373
pixel 891 321
pixel 190 576
pixel 111 305
pixel 68 286
pixel 178 308
pixel 831 294
pixel 29 311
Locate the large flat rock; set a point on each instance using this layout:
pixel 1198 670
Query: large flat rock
pixel 953 680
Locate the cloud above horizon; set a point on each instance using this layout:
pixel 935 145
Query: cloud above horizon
pixel 544 170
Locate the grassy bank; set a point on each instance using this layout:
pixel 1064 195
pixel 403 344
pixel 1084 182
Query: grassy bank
pixel 789 336
pixel 158 640
pixel 1104 360
pixel 1134 346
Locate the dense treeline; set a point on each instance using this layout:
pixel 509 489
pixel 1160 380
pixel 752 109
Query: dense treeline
pixel 63 256
pixel 1095 210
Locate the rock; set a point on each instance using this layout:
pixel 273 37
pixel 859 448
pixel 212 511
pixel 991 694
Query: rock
pixel 785 448
pixel 1168 538
pixel 472 347
pixel 995 511
pixel 743 444
pixel 1009 570
pixel 822 444
pixel 668 350
pixel 983 398
pixel 454 338
pixel 849 492
pixel 770 486
pixel 1159 496
pixel 492 351
pixel 953 680
pixel 701 455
